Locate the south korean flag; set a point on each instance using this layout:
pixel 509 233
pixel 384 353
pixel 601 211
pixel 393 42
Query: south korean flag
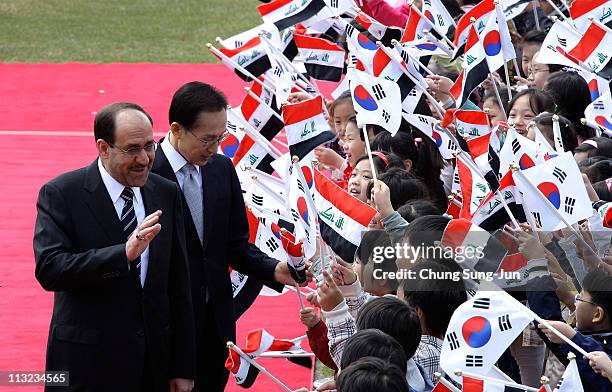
pixel 376 100
pixel 479 331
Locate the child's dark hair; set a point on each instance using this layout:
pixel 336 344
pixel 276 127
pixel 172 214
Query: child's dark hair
pixel 503 95
pixel 426 230
pixel 342 98
pixel 394 317
pixel 599 285
pixel 604 189
pixel 597 168
pixel 533 37
pixel 371 374
pixel 383 161
pixel 596 146
pixel 544 121
pixel 403 186
pixel 539 101
pixel 373 342
pixel 437 298
pixel 413 209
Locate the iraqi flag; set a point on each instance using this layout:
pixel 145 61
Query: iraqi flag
pixel 323 59
pixel 581 10
pixel 479 331
pixel 479 151
pixel 474 187
pixel 481 12
pixel 474 247
pixel 559 188
pixel 251 154
pixel 491 214
pixel 517 150
pixel 375 30
pixel 593 51
pixel 305 126
pixel 475 69
pixel 599 113
pixel 288 13
pixel 444 386
pixel 252 56
pixel 376 101
pixel 262 115
pixel 342 217
pixel 238 40
pixel 428 126
pixel 472 123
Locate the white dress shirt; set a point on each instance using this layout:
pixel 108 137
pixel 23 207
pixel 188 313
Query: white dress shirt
pixel 177 162
pixel 114 189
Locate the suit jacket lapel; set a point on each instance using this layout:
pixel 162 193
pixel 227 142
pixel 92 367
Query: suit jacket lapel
pixel 151 203
pixel 101 205
pixel 209 181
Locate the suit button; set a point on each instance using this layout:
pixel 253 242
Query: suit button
pixel 205 259
pixel 140 332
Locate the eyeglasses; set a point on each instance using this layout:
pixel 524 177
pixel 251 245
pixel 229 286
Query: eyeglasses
pixel 210 142
pixel 135 151
pixel 579 298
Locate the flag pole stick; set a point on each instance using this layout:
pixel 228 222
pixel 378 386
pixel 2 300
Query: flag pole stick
pixel 485 378
pixel 436 104
pixel 261 101
pixel 499 101
pixel 218 53
pixel 555 212
pixel 534 7
pixel 557 10
pixel 517 70
pixel 440 44
pixel 267 176
pixel 507 81
pixel 253 133
pixel 299 294
pixel 262 369
pixel 289 287
pixel 430 23
pixel 369 151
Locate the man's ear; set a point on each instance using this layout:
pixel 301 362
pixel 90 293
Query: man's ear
pixel 176 128
pixel 408 164
pixel 103 148
pixel 599 316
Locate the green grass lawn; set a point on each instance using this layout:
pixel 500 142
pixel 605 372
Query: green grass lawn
pixel 104 31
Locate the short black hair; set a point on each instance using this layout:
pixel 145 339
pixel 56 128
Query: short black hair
pixel 414 209
pixel 571 95
pixel 544 121
pixel 371 374
pixel 403 186
pixel 426 230
pixel 193 98
pixel 104 122
pixel 381 166
pixel 596 146
pixel 533 37
pixel 394 317
pixel 373 342
pixel 539 101
pixel 599 285
pixel 437 298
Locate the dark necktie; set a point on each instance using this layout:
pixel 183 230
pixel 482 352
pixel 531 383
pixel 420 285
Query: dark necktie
pixel 129 223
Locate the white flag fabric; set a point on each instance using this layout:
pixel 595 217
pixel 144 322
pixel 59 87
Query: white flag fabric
pixel 430 128
pixel 302 207
pixel 376 101
pixel 570 381
pixel 479 331
pixel 561 38
pixel 560 189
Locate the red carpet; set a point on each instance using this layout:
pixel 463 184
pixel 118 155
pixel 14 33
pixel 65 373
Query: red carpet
pixel 59 101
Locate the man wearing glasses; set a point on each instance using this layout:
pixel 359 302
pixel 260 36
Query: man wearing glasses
pixel 110 242
pixel 216 226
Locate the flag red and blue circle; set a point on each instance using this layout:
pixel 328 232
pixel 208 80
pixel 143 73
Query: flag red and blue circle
pixel 230 145
pixel 364 99
pixel 429 16
pixel 476 331
pixel 525 162
pixel 427 46
pixel 275 230
pixel 602 121
pixel 307 176
pixel 551 192
pixel 303 209
pixel 549 156
pixel 365 43
pixel 594 89
pixel 492 43
pixel 436 137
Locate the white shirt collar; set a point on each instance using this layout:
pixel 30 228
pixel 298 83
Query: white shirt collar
pixel 177 161
pixel 114 187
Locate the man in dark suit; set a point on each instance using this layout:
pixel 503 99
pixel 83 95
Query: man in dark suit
pixel 110 242
pixel 216 225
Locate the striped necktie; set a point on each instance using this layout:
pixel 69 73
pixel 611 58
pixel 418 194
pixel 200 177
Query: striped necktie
pixel 128 221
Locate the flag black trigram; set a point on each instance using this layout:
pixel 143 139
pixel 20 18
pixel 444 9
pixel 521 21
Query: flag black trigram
pixel 349 30
pixel 471 292
pixel 451 145
pixel 504 322
pixel 569 204
pixel 405 55
pixel 538 218
pixel 440 20
pixel 482 303
pixel 559 384
pixel 427 2
pixel 379 92
pixel 453 342
pixel 423 119
pixel 272 245
pixel 277 71
pixel 562 41
pixel 301 186
pixel 598 105
pixel 334 3
pixel 386 116
pixel 473 360
pixel 414 92
pixel 295 215
pixel 231 127
pixel 238 44
pixel 257 199
pixel 456 178
pixel 516 145
pixel 559 174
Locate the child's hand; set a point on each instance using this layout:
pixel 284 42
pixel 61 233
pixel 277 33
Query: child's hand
pixel 313 299
pixel 342 273
pixel 560 326
pixel 601 363
pixel 308 317
pixel 327 386
pixel 329 296
pixel 328 157
pixel 382 199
